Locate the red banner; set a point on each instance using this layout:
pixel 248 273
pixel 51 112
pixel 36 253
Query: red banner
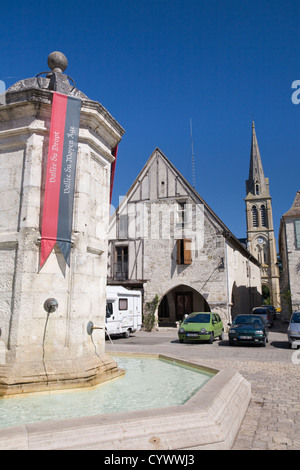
pixel 60 176
pixel 53 175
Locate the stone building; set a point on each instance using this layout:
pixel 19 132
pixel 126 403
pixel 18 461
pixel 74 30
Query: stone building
pixel 260 230
pixel 166 241
pixel 289 250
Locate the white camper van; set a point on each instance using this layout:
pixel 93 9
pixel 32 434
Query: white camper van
pixel 123 311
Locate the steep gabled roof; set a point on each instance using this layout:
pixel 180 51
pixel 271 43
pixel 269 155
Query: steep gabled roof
pixel 157 153
pixel 295 209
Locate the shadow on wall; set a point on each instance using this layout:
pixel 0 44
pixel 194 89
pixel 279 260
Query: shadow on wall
pixel 244 299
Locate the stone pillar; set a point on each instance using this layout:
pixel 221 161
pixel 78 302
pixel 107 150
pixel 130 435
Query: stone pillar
pixel 42 350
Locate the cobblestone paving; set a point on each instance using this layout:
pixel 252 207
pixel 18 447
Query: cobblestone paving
pixel 272 421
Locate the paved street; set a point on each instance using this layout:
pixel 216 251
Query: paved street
pixel 272 421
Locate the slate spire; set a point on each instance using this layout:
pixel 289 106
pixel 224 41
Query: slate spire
pixel 257 184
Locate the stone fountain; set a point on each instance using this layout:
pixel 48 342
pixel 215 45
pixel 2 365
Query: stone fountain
pixel 45 308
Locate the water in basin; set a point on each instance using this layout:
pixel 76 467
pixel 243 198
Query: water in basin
pixel 147 383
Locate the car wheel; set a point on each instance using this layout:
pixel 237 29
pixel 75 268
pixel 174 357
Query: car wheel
pixel 221 337
pixel 264 344
pixel 211 338
pixel 126 334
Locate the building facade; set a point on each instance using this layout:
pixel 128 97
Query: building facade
pixel 166 241
pixel 260 229
pixel 289 249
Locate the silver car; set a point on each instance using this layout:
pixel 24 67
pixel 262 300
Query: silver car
pixel 293 331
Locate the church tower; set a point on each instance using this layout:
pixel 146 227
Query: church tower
pixel 260 230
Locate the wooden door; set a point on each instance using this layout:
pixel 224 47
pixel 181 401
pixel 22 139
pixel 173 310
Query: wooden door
pixel 184 304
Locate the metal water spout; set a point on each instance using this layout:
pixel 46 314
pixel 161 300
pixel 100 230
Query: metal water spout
pixel 90 328
pixel 50 305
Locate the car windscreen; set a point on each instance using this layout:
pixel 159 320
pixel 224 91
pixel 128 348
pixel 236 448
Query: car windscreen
pixel 295 318
pixel 198 318
pixel 246 319
pixel 260 311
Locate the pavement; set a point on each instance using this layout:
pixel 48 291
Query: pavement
pixel 272 421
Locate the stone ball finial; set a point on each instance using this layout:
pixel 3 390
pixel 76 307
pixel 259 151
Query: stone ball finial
pixel 57 61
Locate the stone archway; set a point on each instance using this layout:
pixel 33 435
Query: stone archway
pixel 177 302
pixel 266 294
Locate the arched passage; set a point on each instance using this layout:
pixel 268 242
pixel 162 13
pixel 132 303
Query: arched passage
pixel 266 295
pixel 179 301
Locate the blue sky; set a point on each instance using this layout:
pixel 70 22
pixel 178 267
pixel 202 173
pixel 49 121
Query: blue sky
pixel 154 65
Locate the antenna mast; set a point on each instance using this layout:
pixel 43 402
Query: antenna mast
pixel 193 158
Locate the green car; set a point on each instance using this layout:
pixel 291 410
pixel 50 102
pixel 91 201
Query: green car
pixel 248 329
pixel 201 326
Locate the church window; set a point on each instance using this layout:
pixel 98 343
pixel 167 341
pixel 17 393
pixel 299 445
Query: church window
pixel 254 216
pixel 297 233
pixel 263 214
pixel 262 250
pixel 257 189
pixel 266 254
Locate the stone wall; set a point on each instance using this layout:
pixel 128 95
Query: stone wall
pixel 291 273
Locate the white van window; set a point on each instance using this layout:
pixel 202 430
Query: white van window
pixel 123 304
pixel 109 309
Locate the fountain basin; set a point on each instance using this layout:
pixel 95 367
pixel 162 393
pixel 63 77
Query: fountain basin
pixel 210 419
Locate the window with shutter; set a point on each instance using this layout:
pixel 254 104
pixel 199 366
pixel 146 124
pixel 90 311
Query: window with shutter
pixel 187 251
pixel 178 252
pixel 184 251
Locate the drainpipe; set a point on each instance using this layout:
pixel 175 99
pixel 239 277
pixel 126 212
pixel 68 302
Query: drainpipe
pixel 227 281
pixel 249 282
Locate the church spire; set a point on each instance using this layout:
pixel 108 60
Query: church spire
pixel 260 229
pixel 257 184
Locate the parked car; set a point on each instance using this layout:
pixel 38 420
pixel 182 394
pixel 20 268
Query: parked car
pixel 265 314
pixel 248 329
pixel 200 326
pixel 272 311
pixel 293 331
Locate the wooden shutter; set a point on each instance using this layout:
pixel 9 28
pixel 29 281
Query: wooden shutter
pixel 187 251
pixel 178 251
